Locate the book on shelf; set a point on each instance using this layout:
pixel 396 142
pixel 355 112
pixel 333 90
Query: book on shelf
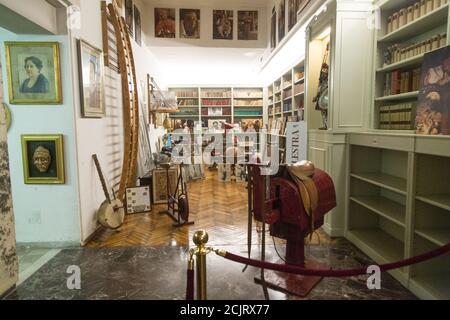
pixel 219 94
pixel 216 102
pixel 248 103
pixel 298 75
pixel 397 82
pixel 188 102
pixel 397 116
pixel 186 94
pixel 299 88
pixel 248 94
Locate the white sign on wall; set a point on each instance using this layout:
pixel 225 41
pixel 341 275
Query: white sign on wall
pixel 296 140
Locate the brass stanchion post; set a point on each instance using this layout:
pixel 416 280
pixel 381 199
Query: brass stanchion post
pixel 200 239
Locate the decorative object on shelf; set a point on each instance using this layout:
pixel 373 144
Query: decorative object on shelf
pixel 33 72
pixel 43 159
pixel 165 23
pixel 190 23
pixel 223 24
pixel 137 26
pixel 111 213
pixel 138 199
pixel 321 98
pixel 247 25
pixel 129 15
pixel 91 75
pixel 281 20
pixel 433 111
pixel 160 184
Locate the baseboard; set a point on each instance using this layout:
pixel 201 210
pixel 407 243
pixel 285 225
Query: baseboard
pixel 92 235
pixel 50 245
pixel 333 232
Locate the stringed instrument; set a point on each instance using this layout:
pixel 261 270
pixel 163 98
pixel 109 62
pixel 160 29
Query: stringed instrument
pixel 111 213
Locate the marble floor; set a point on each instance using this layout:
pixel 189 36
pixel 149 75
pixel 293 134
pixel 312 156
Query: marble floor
pixel 158 272
pixel 31 258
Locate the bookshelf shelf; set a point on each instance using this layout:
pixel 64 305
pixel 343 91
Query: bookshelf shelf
pixel 387 208
pixel 299 80
pixel 386 181
pixel 401 96
pixel 410 62
pixel 439 237
pixel 438 200
pixel 412 29
pixel 379 245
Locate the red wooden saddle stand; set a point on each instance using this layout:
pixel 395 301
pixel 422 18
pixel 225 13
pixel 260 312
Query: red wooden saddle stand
pixel 284 212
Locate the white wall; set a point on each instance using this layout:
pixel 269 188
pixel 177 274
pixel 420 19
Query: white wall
pixel 37 11
pixel 44 213
pixel 102 136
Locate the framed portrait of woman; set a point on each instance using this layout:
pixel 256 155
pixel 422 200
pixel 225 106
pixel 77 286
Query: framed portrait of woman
pixel 90 65
pixel 34 72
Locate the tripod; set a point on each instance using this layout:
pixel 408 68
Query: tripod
pixel 177 203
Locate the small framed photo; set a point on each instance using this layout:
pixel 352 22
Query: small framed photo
pixel 160 184
pixel 90 65
pixel 43 159
pixel 34 72
pixel 138 199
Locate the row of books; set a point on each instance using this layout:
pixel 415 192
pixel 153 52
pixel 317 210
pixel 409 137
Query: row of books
pixel 280 123
pixel 411 13
pixel 399 52
pixel 248 103
pixel 287 94
pixel 248 94
pixel 397 82
pixel 299 75
pixel 223 102
pixel 287 105
pixel 188 102
pixel 398 116
pixel 247 113
pixel 186 94
pixel 299 88
pixel 214 94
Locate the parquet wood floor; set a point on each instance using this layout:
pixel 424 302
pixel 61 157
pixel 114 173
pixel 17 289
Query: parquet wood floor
pixel 217 207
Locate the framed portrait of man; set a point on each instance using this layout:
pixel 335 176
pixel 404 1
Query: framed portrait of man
pixel 43 159
pixel 34 73
pixel 247 25
pixel 90 62
pixel 190 23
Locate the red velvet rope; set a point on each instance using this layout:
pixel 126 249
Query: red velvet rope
pixel 190 285
pixel 336 273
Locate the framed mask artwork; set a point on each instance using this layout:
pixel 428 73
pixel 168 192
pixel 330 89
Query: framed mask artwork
pixel 34 73
pixel 43 159
pixel 91 74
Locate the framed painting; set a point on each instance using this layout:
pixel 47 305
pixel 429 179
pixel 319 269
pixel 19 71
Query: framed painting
pixel 281 20
pixel 433 109
pixel 34 72
pixel 129 15
pixel 190 23
pixel 247 25
pixel 159 180
pixel 43 159
pixel 223 24
pixel 91 75
pixel 165 23
pixel 137 26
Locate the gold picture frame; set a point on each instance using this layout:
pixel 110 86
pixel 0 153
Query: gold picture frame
pixel 43 158
pixel 159 181
pixel 34 73
pixel 91 76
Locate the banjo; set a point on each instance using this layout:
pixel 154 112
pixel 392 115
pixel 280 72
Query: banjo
pixel 111 212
